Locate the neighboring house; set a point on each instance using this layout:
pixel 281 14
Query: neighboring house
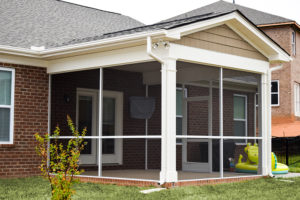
pixel 285 95
pixel 167 103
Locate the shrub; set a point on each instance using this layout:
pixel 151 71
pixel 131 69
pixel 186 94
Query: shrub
pixel 64 162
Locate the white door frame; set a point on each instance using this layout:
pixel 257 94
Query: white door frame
pixel 117 157
pixel 195 166
pixel 89 159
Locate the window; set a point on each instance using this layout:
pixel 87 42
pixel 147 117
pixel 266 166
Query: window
pixel 275 93
pixel 240 116
pixel 297 99
pixel 179 114
pixel 293 43
pixel 6 105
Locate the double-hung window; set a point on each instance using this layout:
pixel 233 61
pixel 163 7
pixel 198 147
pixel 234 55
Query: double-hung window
pixel 6 105
pixel 240 117
pixel 294 43
pixel 275 93
pixel 297 99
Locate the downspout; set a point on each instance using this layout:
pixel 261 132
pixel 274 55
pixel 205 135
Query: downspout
pixel 149 51
pixel 269 145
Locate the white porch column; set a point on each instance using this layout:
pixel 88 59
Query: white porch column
pixel 221 120
pixel 269 123
pixel 100 111
pixel 265 99
pixel 168 121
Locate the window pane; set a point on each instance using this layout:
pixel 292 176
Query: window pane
pixel 109 111
pixel 274 99
pixel 5 87
pixel 274 87
pixel 239 130
pixel 85 120
pixel 4 124
pixel 178 102
pixel 108 145
pixel 178 128
pixel 239 107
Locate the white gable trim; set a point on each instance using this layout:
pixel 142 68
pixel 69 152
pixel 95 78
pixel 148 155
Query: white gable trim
pixel 237 22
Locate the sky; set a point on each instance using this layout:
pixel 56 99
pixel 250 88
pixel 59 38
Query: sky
pixel 151 11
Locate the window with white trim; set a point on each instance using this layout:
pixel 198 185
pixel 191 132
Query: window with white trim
pixel 297 99
pixel 240 117
pixel 293 43
pixel 179 114
pixel 6 105
pixel 275 93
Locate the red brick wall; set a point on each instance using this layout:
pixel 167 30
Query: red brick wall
pixel 31 116
pixel 285 111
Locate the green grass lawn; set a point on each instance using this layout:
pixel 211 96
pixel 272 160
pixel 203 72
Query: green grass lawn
pixel 38 188
pixel 294 162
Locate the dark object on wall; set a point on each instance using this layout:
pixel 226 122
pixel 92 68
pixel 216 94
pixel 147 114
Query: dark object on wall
pixel 67 98
pixel 142 107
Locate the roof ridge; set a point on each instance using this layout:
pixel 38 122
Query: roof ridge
pixel 245 7
pixel 84 6
pixel 163 22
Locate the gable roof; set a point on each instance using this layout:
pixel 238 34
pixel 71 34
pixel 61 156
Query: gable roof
pixel 51 23
pixel 255 16
pixel 157 26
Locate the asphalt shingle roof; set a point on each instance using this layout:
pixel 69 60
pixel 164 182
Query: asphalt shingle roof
pixel 157 26
pixel 51 23
pixel 55 23
pixel 255 16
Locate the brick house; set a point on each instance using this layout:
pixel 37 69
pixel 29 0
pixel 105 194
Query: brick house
pixel 164 103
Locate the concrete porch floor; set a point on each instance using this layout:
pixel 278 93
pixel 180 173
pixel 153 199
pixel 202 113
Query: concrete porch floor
pixel 154 174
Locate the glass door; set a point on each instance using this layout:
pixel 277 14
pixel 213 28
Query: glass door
pixel 86 117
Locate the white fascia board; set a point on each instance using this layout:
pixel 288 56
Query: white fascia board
pixel 114 41
pixel 102 59
pixel 278 53
pixel 21 60
pixel 218 59
pixel 81 47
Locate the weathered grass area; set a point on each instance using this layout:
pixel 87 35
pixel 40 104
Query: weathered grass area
pixel 38 188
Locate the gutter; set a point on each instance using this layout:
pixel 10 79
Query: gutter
pixel 103 43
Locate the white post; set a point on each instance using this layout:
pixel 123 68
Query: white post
pixel 269 124
pixel 210 121
pixel 221 119
pixel 264 124
pixel 168 121
pixel 184 126
pixel 146 133
pixel 100 99
pixel 49 117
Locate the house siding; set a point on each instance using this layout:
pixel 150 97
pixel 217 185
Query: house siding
pixel 31 116
pixel 221 39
